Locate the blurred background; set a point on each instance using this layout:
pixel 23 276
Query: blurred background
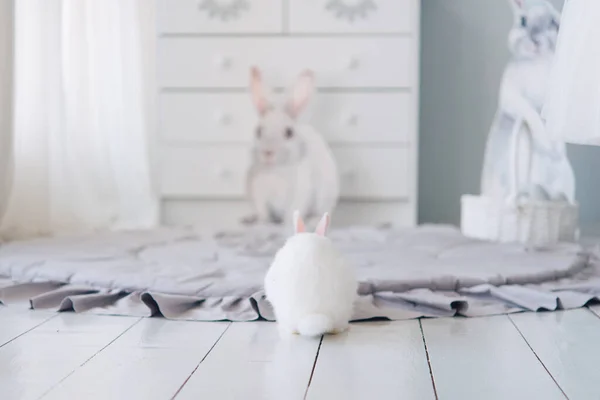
pixel 389 75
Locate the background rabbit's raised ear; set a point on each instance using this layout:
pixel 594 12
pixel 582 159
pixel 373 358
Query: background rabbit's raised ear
pixel 323 225
pixel 298 223
pixel 301 93
pixel 257 88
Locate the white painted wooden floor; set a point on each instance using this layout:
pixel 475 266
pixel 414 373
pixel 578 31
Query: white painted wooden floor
pixel 523 356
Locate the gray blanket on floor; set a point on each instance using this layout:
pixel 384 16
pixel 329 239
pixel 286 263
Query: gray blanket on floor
pixel 179 273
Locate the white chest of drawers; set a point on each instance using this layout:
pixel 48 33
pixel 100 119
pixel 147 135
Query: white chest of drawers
pixel 365 54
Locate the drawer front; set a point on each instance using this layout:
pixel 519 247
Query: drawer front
pixel 373 173
pixel 338 62
pixel 217 16
pixel 208 172
pixel 220 172
pixel 189 117
pixel 352 16
pixel 364 117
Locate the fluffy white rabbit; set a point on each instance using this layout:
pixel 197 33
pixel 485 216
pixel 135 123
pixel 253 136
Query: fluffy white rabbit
pixel 546 171
pixel 311 287
pixel 292 165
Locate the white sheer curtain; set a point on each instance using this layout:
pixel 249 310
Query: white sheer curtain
pixel 81 117
pixel 6 38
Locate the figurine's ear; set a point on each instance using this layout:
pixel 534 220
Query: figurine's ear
pixel 555 16
pixel 516 4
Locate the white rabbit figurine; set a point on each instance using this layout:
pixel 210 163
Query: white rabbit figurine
pixel 547 172
pixel 311 287
pixel 292 165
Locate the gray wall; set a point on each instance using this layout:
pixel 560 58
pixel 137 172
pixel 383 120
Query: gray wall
pixel 463 54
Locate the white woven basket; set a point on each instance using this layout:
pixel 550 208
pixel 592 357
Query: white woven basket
pixel 532 222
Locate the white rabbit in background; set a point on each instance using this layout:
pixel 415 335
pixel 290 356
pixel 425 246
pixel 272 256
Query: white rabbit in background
pixel 532 42
pixel 292 165
pixel 311 287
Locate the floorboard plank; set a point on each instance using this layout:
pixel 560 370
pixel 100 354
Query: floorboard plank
pixel 381 360
pixel 595 309
pixel 15 322
pixel 150 361
pixel 252 362
pixel 567 344
pixel 37 360
pixel 485 358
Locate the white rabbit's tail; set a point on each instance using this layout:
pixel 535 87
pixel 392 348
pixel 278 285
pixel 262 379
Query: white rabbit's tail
pixel 315 325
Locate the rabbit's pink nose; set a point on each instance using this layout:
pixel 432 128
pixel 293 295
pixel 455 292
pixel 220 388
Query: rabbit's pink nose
pixel 268 153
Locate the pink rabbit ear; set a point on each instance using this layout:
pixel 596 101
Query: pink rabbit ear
pixel 323 225
pixel 300 93
pixel 298 223
pixel 258 92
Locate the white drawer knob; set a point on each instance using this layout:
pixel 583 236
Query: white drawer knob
pixel 223 118
pixel 350 119
pixel 222 62
pixel 352 62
